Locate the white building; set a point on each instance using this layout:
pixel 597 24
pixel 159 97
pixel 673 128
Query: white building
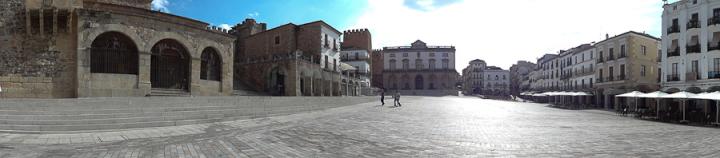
pixel 496 81
pixel 420 69
pixel 690 58
pixel 473 77
pixel 360 60
pixel 582 67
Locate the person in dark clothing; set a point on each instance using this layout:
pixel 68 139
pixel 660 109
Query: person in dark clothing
pixel 397 99
pixel 382 97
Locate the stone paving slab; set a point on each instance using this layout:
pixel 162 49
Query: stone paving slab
pixel 423 127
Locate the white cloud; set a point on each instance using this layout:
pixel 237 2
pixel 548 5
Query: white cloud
pixel 225 26
pixel 160 5
pixel 503 32
pixel 254 15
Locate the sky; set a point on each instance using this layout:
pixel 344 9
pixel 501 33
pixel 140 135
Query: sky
pixel 501 32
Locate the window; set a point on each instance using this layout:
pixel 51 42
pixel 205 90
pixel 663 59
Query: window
pixel 326 41
pixel 674 69
pixel 432 54
pixel 405 54
pixel 327 62
pixel 716 64
pixel 277 40
pixel 622 70
pixel 622 51
pixel 334 64
pixel 643 70
pixel 445 64
pixel 406 64
pixel 419 64
pixel 392 64
pixel 418 54
pixel 431 64
pixel 445 54
pixel 392 54
pixel 210 65
pixel 115 53
pixel 643 49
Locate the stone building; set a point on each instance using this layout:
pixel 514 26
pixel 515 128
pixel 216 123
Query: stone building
pixel 289 60
pixel 472 77
pixel 376 67
pixel 625 63
pixel 109 48
pixel 420 69
pixel 519 73
pixel 690 59
pixel 547 76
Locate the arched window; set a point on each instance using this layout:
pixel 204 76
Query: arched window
pixel 210 65
pixel 445 64
pixel 113 52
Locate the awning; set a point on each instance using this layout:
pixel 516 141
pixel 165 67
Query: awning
pixel 580 94
pixel 632 94
pixel 680 95
pixel 657 94
pixel 709 96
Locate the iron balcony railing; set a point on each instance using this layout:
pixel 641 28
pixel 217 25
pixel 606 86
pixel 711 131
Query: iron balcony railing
pixel 714 75
pixel 673 29
pixel 620 78
pixel 674 52
pixel 693 23
pixel 713 46
pixel 673 77
pixel 693 49
pixel 600 60
pixel 610 57
pixel 714 20
pixel 692 76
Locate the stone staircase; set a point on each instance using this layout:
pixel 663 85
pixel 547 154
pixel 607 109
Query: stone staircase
pixel 105 114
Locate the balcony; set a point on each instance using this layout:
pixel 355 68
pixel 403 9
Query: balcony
pixel 673 29
pixel 610 57
pixel 659 59
pixel 600 60
pixel 620 78
pixel 693 23
pixel 714 75
pixel 693 49
pixel 674 52
pixel 714 20
pixel 672 78
pixel 610 79
pixel 622 55
pixel 692 76
pixel 713 46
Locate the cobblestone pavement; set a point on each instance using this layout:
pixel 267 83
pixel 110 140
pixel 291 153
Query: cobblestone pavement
pixel 423 127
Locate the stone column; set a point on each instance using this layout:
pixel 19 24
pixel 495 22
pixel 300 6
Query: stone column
pixel 144 83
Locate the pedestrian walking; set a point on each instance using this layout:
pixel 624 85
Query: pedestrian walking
pixel 382 97
pixel 397 99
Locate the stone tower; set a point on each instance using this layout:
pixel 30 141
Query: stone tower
pixel 241 31
pixel 359 38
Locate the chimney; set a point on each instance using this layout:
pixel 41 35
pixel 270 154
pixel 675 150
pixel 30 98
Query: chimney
pixel 607 36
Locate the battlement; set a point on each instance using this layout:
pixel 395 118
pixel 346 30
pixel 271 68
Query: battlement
pixel 217 29
pixel 356 31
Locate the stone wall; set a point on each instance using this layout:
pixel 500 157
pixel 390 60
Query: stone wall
pixel 36 56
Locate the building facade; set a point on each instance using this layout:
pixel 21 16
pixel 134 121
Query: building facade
pixel 496 81
pixel 546 74
pixel 519 73
pixel 625 63
pixel 291 60
pixel 690 59
pixel 109 48
pixel 359 59
pixel 420 69
pixel 472 79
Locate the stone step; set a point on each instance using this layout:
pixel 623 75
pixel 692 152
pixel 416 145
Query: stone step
pixel 156 92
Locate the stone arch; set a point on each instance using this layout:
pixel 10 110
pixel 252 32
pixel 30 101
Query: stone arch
pixel 94 33
pixel 170 65
pixel 157 37
pixel 114 52
pixel 431 82
pixel 211 65
pixel 419 82
pixel 276 78
pixel 406 82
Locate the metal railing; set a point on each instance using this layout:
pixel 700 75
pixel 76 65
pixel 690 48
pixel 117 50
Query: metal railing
pixel 692 76
pixel 714 20
pixel 693 23
pixel 713 74
pixel 674 77
pixel 674 52
pixel 693 49
pixel 713 46
pixel 673 29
